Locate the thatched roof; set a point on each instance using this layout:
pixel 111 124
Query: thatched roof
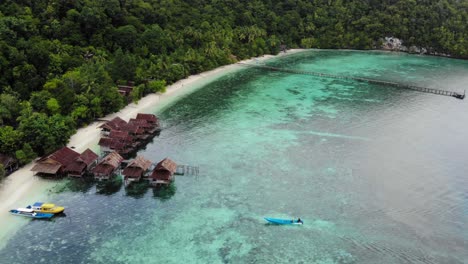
pixel 164 170
pixel 47 168
pixel 88 156
pixel 111 143
pixel 167 164
pixel 121 136
pixel 52 163
pixel 137 167
pixel 83 161
pixel 140 122
pixel 148 117
pixel 108 164
pixel 64 156
pixel 115 124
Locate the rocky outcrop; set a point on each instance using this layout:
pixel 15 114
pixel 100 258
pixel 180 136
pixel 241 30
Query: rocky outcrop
pixel 396 44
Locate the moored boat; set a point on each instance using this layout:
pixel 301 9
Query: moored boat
pixel 280 221
pixel 30 213
pixel 49 208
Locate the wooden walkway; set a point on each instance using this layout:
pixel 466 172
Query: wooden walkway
pixel 367 80
pixel 187 170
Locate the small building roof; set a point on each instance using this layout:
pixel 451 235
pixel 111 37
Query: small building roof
pixel 115 124
pixel 88 156
pixel 83 161
pixel 47 168
pixel 108 164
pixel 137 167
pixel 52 163
pixel 63 156
pixel 121 136
pixel 134 128
pixel 140 122
pixel 164 170
pixel 167 164
pixel 148 117
pixel 111 143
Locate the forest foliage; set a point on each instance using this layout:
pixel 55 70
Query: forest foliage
pixel 61 60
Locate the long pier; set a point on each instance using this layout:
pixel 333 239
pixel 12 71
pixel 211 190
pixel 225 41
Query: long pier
pixel 360 79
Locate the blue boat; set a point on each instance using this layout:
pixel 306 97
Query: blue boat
pixel 26 212
pixel 279 221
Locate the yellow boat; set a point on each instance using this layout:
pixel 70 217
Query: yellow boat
pixel 47 208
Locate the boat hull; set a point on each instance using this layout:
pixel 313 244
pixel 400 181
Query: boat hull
pixel 47 208
pixel 31 214
pixel 279 221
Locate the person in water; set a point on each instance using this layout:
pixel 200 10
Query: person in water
pixel 299 220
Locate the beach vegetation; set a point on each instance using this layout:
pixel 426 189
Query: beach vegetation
pixel 61 61
pixel 25 154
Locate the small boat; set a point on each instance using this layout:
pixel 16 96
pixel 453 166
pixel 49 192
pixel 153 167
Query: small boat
pixel 49 208
pixel 279 221
pixel 30 213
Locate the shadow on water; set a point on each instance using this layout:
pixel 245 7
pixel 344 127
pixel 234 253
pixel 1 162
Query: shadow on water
pixel 82 185
pixel 164 193
pixel 109 187
pixel 137 189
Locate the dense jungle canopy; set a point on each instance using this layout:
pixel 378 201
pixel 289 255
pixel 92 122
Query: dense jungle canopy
pixel 61 60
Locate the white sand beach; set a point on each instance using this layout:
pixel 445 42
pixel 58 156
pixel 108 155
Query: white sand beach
pixel 22 188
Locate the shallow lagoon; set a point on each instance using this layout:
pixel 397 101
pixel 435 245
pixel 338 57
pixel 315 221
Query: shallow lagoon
pixel 378 174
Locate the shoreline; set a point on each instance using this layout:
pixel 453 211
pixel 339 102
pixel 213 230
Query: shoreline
pixel 22 188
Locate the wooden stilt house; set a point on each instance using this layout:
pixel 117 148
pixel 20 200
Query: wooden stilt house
pixel 86 161
pixel 136 169
pixel 151 120
pixel 107 167
pixel 163 173
pixel 139 129
pixel 115 124
pixel 55 163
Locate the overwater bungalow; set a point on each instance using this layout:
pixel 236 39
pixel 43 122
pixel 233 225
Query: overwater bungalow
pixel 124 137
pixel 55 163
pixel 136 169
pixel 115 124
pixel 150 119
pixel 163 173
pixel 86 161
pixel 9 163
pixel 107 167
pixel 109 145
pixel 139 128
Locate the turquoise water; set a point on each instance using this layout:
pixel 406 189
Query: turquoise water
pixel 378 174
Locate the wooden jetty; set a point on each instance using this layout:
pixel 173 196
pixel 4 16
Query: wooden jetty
pixel 360 79
pixel 187 170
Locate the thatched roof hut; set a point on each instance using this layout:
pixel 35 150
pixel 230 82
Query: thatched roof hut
pixel 55 163
pixel 107 166
pixel 116 123
pixel 163 173
pixel 151 120
pixel 79 166
pixel 136 169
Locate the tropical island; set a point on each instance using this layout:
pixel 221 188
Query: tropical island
pixel 62 61
pixel 309 149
